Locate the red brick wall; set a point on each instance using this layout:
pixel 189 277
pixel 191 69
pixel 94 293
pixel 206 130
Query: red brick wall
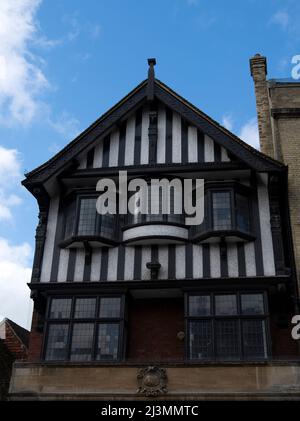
pixel 152 333
pixel 35 340
pixel 153 328
pixel 14 345
pixel 283 345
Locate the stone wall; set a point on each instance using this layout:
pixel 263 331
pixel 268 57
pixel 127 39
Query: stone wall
pixel 278 113
pixel 92 381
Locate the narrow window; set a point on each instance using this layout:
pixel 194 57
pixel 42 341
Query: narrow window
pixel 108 341
pixel 84 308
pixel 82 341
pixel 87 217
pixel 242 212
pixel 221 211
pixel 57 342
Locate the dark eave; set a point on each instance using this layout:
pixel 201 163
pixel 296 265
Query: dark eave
pixel 84 139
pixel 184 284
pixel 146 169
pixel 255 159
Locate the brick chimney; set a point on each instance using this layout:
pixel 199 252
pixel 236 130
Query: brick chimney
pixel 258 67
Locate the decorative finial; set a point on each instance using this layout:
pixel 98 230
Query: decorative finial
pixel 152 61
pixel 151 78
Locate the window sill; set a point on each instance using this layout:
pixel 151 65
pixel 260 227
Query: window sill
pixel 174 363
pixel 145 223
pixel 229 236
pixel 155 233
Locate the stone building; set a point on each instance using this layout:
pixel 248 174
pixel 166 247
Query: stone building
pixel 135 306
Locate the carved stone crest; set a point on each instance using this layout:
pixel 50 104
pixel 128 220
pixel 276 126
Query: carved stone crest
pixel 152 381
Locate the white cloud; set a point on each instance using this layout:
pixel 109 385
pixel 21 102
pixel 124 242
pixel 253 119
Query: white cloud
pixel 15 272
pixel 21 78
pixel 281 18
pixel 10 175
pixel 84 56
pixel 77 28
pixel 249 133
pixel 227 121
pixel 47 43
pixel 95 31
pixel 192 2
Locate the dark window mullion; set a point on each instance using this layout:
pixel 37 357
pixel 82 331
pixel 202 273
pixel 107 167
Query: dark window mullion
pixel 96 329
pixel 240 338
pixel 95 335
pixel 98 223
pixel 210 211
pixel 77 214
pixel 268 336
pixel 212 310
pixel 121 350
pixel 239 304
pixel 70 333
pixel 266 303
pixel 45 340
pixel 187 339
pixel 215 357
pixel 233 209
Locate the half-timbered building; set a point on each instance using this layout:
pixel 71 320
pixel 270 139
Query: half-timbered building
pixel 145 302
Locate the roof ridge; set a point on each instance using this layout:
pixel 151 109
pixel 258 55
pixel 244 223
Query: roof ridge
pixel 84 132
pixel 13 325
pixel 56 163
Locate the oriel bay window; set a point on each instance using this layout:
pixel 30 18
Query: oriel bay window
pixel 155 202
pixel 227 326
pixel 84 328
pixel 227 213
pixel 82 220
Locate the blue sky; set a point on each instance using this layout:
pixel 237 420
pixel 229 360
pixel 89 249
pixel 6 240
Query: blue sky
pixel 64 62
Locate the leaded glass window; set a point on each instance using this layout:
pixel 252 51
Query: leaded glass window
pixel 254 338
pixel 226 304
pixel 110 307
pixel 86 221
pixel 242 212
pixel 108 341
pixel 200 339
pixel 252 304
pixel 85 308
pixel 154 202
pixel 84 328
pixel 221 211
pixel 82 341
pixel 227 326
pixel 226 209
pixel 60 308
pixel 57 342
pixel 87 217
pixel 199 305
pixel 227 339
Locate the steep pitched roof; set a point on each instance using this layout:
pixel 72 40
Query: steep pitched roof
pixel 21 333
pixel 166 95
